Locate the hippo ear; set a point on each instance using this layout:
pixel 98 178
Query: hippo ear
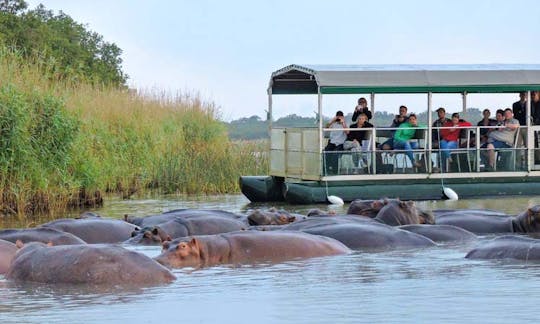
pixel 194 242
pixel 19 244
pixel 292 219
pixel 410 203
pixel 147 234
pixel 155 231
pixel 50 243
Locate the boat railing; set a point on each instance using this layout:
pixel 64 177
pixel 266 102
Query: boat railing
pixel 470 156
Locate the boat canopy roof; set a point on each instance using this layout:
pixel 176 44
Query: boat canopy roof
pixel 453 78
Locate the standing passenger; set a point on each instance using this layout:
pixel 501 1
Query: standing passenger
pixel 361 108
pixel 535 115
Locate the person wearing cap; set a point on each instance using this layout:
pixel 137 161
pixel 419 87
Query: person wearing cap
pixel 361 108
pixel 440 122
pixel 335 143
pixel 450 137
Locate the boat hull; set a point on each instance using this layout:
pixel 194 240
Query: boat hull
pixel 267 188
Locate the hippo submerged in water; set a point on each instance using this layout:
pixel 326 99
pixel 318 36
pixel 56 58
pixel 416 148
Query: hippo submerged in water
pixel 85 264
pixel 7 252
pixel 508 247
pixel 247 247
pixel 487 223
pixel 187 226
pixel 40 234
pixel 94 230
pixel 153 220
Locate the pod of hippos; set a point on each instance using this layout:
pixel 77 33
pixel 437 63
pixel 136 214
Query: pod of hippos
pixel 202 238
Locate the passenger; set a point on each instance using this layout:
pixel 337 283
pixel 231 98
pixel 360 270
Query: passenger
pixel 486 121
pixel 355 138
pixel 335 143
pixel 450 137
pixel 361 108
pixel 440 122
pixel 398 120
pixel 502 137
pixel 403 136
pixel 535 115
pixel 519 108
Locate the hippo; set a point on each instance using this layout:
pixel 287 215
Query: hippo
pixel 368 208
pixel 198 225
pixel 88 215
pixel 371 236
pixel 441 233
pixel 396 212
pixel 322 220
pixel 94 230
pixel 479 223
pixel 485 212
pixel 40 234
pixel 271 216
pixel 148 236
pixel 507 247
pixel 86 264
pixel 246 247
pixel 153 220
pixel 7 252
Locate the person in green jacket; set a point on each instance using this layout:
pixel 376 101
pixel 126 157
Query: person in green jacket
pixel 403 136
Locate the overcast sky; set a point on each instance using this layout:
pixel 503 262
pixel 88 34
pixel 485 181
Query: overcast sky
pixel 226 50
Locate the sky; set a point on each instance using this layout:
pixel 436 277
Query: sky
pixel 225 51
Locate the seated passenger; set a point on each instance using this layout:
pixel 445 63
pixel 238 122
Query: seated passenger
pixel 403 139
pixel 450 137
pixel 486 121
pixel 502 137
pixel 337 138
pixel 355 138
pixel 440 122
pixel 398 120
pixel 361 108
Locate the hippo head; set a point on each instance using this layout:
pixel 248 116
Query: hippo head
pixel 270 217
pixel 426 217
pixel 361 207
pixel 533 218
pixel 186 253
pixel 149 236
pixel 258 217
pixel 397 212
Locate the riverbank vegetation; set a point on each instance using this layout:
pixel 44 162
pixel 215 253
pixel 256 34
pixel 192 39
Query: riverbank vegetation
pixel 69 136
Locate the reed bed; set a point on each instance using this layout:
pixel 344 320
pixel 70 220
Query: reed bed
pixel 64 143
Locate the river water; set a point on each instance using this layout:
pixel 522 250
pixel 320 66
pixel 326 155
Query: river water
pixel 426 285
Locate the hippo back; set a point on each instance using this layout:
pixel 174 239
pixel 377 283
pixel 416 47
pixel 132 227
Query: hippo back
pixel 86 264
pixel 40 234
pixel 95 230
pixel 477 223
pixel 508 247
pixel 371 236
pixel 441 233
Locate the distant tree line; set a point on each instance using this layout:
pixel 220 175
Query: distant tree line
pixel 252 128
pixel 67 49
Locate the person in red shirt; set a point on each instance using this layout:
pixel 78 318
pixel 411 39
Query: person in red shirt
pixel 450 137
